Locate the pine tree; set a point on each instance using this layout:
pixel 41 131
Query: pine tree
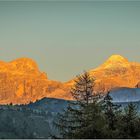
pixel 82 91
pixel 69 121
pixel 110 110
pixel 74 119
pixel 130 122
pixel 112 113
pixel 93 122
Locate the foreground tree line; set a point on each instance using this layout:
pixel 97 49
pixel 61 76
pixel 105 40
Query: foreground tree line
pixel 96 116
pixel 21 122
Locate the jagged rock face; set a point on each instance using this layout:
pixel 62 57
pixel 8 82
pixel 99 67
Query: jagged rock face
pixel 116 72
pixel 21 82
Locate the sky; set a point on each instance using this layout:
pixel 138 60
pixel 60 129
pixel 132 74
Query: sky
pixel 67 37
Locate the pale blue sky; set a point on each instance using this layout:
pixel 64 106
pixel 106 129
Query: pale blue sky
pixel 65 37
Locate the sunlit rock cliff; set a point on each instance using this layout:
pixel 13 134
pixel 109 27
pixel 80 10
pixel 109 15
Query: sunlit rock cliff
pixel 116 72
pixel 22 82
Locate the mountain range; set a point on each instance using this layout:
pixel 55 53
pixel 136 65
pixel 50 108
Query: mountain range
pixel 21 81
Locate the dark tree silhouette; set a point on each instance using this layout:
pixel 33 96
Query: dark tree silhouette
pixel 130 122
pixel 111 110
pixel 82 91
pixel 70 122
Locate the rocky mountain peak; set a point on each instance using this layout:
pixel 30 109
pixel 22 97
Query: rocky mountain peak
pixel 115 61
pixel 24 65
pixel 21 80
pixel 117 58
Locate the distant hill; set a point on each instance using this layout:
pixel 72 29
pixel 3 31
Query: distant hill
pixel 50 104
pixel 30 121
pixel 36 119
pixel 125 95
pixel 20 122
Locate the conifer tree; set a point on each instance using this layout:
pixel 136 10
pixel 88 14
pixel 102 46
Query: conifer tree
pixel 130 122
pixel 110 110
pixel 112 114
pixel 82 91
pixel 70 122
pixel 93 122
